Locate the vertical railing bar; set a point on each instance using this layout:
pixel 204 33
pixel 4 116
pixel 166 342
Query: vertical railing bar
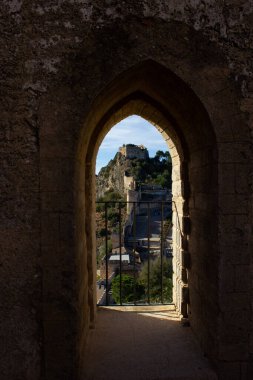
pixel 162 251
pixel 163 236
pixel 106 256
pixel 148 253
pixel 171 228
pixel 120 255
pixel 134 248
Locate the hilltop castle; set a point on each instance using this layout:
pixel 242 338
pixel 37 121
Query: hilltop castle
pixel 134 151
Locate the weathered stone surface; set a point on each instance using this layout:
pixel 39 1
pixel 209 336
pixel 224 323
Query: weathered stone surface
pixel 65 66
pixel 112 176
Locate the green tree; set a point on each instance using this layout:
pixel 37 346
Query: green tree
pixel 102 232
pixel 113 216
pixel 129 294
pixel 100 207
pixel 159 155
pixel 163 179
pixel 155 170
pixel 156 277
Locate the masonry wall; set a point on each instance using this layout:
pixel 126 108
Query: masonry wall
pixel 135 152
pixel 57 57
pixel 129 183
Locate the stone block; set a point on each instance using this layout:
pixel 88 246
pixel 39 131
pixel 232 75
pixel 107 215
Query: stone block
pixel 237 152
pixel 232 253
pixel 177 188
pixel 59 286
pixel 67 227
pixel 234 327
pixel 242 278
pixel 19 174
pixel 233 352
pixel 229 370
pixel 57 201
pixel 57 174
pixel 57 254
pixel 233 203
pixel 242 222
pixel 205 202
pixel 247 370
pixel 227 178
pixel 227 277
pixel 60 147
pixel 50 228
pixel 230 302
pixel 176 175
pixel 203 179
pixel 243 178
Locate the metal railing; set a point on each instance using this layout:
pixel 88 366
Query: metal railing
pixel 134 252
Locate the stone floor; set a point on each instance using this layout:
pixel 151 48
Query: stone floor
pixel 143 345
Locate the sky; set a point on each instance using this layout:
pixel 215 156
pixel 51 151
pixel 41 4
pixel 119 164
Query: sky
pixel 132 130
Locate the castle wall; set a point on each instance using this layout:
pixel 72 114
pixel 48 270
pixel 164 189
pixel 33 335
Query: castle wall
pixel 134 151
pixel 129 183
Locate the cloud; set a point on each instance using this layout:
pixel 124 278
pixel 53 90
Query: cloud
pixel 132 130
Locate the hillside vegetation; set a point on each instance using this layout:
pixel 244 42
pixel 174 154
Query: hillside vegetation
pixel 152 170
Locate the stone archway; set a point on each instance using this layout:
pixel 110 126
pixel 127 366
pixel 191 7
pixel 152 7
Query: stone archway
pixel 158 95
pixel 69 138
pixel 62 74
pixel 142 105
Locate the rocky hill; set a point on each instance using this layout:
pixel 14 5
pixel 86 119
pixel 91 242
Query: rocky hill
pixel 112 175
pixel 155 170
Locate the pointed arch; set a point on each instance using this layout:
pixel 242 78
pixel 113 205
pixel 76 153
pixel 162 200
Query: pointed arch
pixel 158 95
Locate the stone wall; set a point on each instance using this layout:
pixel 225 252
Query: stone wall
pixel 134 151
pixel 129 183
pixel 69 71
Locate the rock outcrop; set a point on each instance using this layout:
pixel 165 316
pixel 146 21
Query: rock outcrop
pixel 112 175
pixel 125 173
